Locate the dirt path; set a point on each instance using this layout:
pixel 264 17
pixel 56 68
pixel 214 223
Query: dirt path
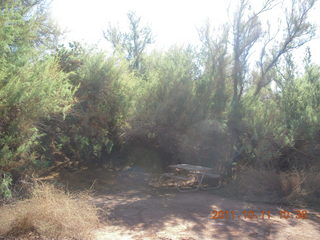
pixel 132 210
pixel 136 215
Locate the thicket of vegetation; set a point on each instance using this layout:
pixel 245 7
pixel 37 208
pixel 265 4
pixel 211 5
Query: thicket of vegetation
pixel 201 104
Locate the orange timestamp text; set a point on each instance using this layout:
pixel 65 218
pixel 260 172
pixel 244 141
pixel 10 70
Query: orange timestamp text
pixel 250 214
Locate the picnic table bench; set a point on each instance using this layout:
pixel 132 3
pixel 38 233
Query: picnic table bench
pixel 185 172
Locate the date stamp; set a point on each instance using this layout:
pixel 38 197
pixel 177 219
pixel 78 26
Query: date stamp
pixel 257 214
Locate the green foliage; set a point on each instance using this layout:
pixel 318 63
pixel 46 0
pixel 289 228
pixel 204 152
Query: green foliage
pixel 300 103
pixel 278 119
pixel 5 184
pixel 31 85
pixel 214 59
pixel 105 91
pixel 168 97
pixel 105 97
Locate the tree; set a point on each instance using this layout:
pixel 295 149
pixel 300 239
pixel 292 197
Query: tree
pixel 132 43
pixel 31 84
pixel 298 31
pixel 215 59
pixel 247 32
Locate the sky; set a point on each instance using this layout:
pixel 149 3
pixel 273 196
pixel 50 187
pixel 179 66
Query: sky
pixel 171 21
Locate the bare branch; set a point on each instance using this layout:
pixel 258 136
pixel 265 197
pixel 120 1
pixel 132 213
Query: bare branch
pixel 114 36
pixel 246 31
pixel 298 32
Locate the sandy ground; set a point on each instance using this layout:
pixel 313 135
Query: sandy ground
pixel 130 209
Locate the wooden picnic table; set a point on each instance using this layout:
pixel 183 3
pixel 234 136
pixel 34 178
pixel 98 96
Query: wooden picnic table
pixel 199 171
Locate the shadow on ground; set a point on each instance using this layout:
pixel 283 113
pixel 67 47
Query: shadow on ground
pixel 131 209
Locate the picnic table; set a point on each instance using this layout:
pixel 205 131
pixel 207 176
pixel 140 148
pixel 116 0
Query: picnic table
pixel 199 172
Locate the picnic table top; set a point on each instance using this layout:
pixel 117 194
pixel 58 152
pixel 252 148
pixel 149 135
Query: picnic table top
pixel 191 168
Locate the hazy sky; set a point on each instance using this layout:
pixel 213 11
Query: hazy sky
pixel 172 21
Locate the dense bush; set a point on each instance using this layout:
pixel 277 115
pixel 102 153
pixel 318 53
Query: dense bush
pixel 105 101
pixel 31 84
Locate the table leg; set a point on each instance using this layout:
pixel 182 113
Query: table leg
pixel 200 182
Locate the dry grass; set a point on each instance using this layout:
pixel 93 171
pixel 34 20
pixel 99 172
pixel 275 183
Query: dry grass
pixel 258 184
pixel 51 213
pixel 295 187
